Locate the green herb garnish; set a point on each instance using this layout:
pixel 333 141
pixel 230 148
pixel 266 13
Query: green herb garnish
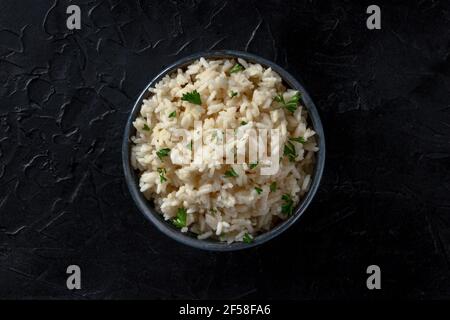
pixel 233 94
pixel 146 127
pixel 192 97
pixel 273 186
pixel 287 206
pixel 231 173
pixel 162 153
pixel 292 104
pixel 173 114
pixel 243 123
pixel 236 68
pixel 253 165
pixel 214 136
pixel 180 220
pixel 189 145
pixel 299 140
pixel 247 238
pixel 162 174
pixel 258 190
pixel 289 151
pixel 279 98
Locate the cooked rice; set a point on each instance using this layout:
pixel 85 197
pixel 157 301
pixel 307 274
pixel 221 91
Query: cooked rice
pixel 219 207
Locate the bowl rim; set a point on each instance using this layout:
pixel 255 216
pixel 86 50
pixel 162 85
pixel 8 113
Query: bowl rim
pixel 165 227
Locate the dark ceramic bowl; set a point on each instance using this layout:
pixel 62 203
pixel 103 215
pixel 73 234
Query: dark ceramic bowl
pixel 166 227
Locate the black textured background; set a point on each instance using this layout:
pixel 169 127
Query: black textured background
pixel 384 100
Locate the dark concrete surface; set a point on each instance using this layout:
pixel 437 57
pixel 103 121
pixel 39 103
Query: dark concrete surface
pixel 383 96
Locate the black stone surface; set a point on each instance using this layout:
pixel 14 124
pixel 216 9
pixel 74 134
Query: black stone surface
pixel 384 100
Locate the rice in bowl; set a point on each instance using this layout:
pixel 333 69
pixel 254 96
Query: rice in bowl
pixel 214 198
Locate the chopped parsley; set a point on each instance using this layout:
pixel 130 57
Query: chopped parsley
pixel 253 165
pixel 173 114
pixel 273 186
pixel 189 145
pixel 162 174
pixel 247 238
pixel 292 104
pixel 299 140
pixel 243 123
pixel 279 98
pixel 146 127
pixel 258 190
pixel 231 173
pixel 180 220
pixel 236 68
pixel 288 205
pixel 162 153
pixel 233 94
pixel 289 151
pixel 192 97
pixel 214 136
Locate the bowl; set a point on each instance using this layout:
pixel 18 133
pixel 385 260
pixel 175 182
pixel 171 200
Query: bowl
pixel 189 239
